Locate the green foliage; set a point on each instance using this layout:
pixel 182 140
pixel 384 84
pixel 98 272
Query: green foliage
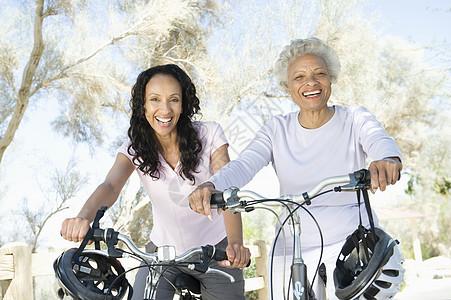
pixel 258 225
pixel 410 184
pixel 443 187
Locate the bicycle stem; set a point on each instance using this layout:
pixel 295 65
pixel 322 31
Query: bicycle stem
pixel 298 268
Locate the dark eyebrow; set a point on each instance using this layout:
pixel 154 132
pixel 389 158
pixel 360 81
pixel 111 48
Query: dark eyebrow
pixel 156 94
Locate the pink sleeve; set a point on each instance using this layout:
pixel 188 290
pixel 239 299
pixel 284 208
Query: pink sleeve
pixel 124 150
pixel 218 137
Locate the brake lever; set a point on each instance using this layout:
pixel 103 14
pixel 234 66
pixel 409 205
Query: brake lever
pixel 220 272
pixel 231 201
pixel 241 208
pixel 359 180
pixel 352 186
pixel 235 206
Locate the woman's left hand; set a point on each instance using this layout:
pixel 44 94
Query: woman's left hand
pixel 384 172
pixel 238 256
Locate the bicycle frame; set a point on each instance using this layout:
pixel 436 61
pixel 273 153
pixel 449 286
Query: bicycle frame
pixel 236 200
pixel 301 288
pixel 166 256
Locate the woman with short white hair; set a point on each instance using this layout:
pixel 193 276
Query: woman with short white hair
pixel 305 146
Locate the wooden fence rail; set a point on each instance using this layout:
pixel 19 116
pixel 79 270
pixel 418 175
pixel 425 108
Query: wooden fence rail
pixel 18 266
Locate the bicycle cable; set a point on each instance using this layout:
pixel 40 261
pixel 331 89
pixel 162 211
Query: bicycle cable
pixel 301 205
pixel 272 250
pixel 135 256
pixel 281 229
pixel 283 234
pixel 151 268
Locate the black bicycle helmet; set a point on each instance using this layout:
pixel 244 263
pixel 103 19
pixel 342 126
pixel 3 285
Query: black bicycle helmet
pixel 91 276
pixel 369 266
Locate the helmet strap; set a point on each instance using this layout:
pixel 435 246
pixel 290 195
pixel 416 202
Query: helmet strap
pixel 366 199
pixel 90 233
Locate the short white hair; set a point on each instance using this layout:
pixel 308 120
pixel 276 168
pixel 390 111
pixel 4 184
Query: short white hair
pixel 300 47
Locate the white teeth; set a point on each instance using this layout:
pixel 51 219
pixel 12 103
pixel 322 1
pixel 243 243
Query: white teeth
pixel 163 120
pixel 312 93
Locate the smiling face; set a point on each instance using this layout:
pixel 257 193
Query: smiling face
pixel 163 104
pixel 309 83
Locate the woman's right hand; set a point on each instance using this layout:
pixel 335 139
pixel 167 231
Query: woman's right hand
pixel 75 229
pixel 199 199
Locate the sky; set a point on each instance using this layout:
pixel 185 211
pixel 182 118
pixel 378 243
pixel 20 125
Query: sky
pixel 419 21
pixel 416 20
pixel 410 19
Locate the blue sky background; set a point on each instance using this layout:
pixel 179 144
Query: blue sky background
pixel 418 21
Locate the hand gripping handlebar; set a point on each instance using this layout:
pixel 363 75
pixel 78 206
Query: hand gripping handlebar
pixel 234 199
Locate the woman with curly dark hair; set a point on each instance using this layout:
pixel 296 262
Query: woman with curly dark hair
pixel 172 154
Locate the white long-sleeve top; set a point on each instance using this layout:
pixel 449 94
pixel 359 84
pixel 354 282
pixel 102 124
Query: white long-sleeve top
pixel 303 157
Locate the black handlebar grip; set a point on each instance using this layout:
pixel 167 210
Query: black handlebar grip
pixel 216 200
pixel 363 175
pixel 98 235
pixel 222 255
pixel 367 176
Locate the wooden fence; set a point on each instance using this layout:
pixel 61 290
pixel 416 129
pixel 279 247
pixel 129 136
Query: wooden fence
pixel 18 266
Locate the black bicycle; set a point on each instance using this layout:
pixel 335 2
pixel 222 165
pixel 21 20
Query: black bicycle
pixel 98 275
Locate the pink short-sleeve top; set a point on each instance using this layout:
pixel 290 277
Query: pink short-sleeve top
pixel 174 223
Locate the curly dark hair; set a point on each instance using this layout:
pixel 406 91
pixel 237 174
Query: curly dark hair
pixel 144 145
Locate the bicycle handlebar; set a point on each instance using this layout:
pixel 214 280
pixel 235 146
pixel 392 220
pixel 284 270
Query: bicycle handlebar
pixel 217 199
pixel 234 199
pixel 165 254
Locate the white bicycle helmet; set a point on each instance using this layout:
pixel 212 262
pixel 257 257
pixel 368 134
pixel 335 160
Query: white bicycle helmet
pixel 91 276
pixel 369 266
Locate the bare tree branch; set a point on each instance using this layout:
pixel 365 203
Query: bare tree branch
pixel 27 77
pixel 66 184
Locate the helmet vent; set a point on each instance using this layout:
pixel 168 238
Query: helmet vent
pixel 383 284
pixel 391 273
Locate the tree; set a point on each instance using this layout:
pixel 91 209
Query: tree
pixel 64 186
pixel 386 74
pixel 88 62
pixel 83 65
pixel 86 54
